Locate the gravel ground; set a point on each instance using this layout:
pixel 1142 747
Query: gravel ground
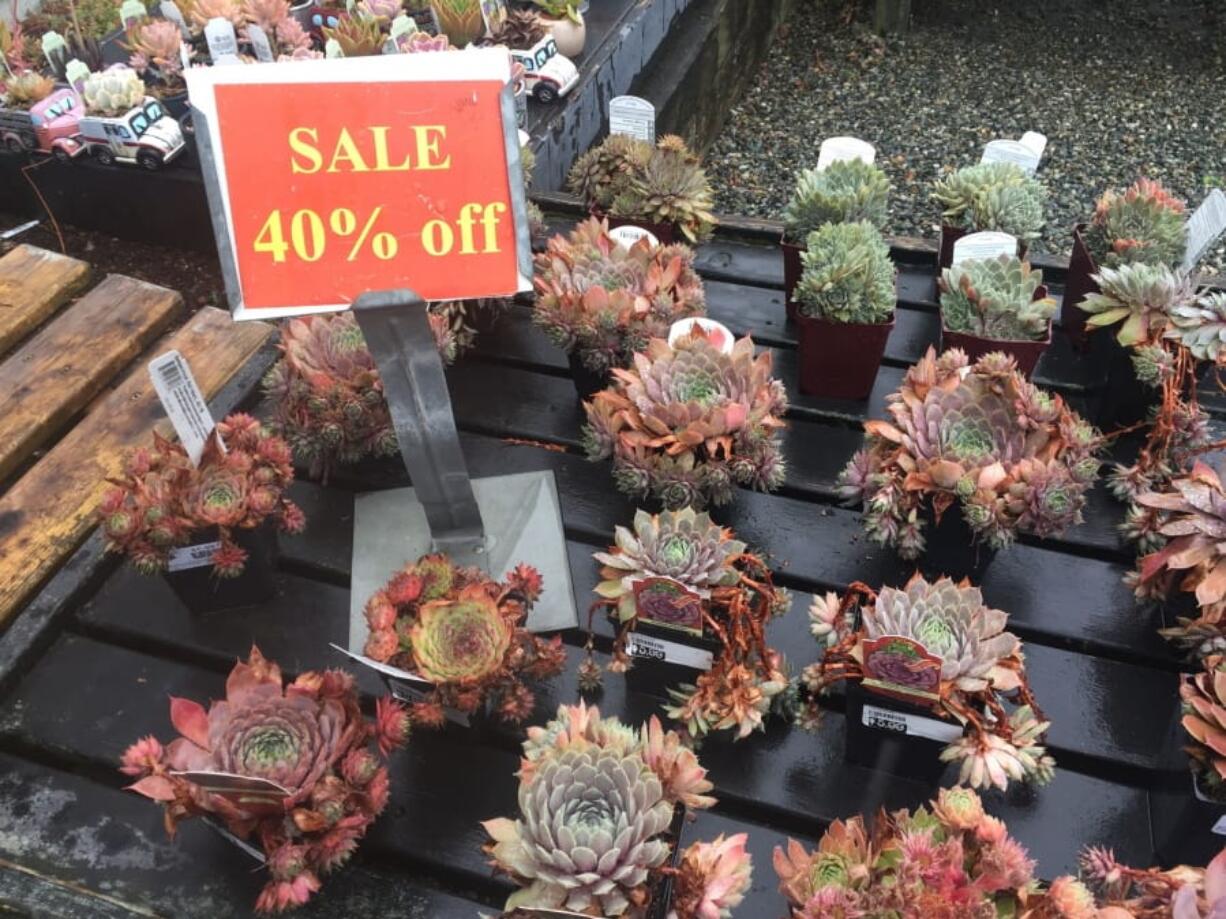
pixel 1121 88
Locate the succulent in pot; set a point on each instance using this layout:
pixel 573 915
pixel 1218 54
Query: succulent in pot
pixel 844 309
pixel 565 21
pixel 23 90
pixel 989 196
pixel 520 30
pixel 688 422
pixel 1144 225
pixel 1204 706
pixel 112 92
pixel 678 570
pixel 1117 891
pixel 601 302
pixel 463 632
pixel 297 769
pixel 938 645
pixel 460 20
pixel 978 439
pixel 603 172
pixel 949 858
pixel 154 46
pixel 996 304
pixel 598 802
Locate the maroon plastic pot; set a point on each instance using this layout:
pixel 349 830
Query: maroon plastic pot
pixel 793 268
pixel 1025 351
pixel 1078 283
pixel 839 360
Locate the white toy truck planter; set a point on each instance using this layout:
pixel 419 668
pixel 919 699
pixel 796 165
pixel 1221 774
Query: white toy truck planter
pixel 548 74
pixel 144 134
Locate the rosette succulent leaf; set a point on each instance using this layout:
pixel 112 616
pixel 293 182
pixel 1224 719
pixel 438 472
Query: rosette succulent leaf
pixel 846 191
pixel 993 196
pixel 995 298
pixel 1144 225
pixel 1141 297
pixel 1200 326
pixel 712 878
pixel 848 275
pixel 462 639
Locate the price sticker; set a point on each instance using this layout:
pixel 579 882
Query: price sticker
pixel 988 244
pixel 884 719
pixel 835 149
pixel 633 117
pixel 186 558
pixel 651 648
pixel 183 402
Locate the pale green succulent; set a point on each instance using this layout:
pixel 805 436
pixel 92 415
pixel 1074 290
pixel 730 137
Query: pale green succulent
pixel 113 92
pixel 848 275
pixel 1146 224
pixel 1140 296
pixel 994 298
pixel 846 191
pixel 993 196
pixel 1200 326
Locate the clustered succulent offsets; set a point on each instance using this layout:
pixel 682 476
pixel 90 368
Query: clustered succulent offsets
pixel 995 298
pixel 1121 892
pixel 465 634
pixel 993 196
pixel 1014 458
pixel 113 91
pixel 848 275
pixel 1144 225
pixel 597 800
pixel 846 191
pixel 1204 718
pixel 980 670
pixel 688 422
pixel 316 765
pixel 735 597
pixel 606 301
pixel 163 500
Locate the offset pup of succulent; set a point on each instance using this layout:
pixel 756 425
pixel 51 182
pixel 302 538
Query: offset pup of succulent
pixel 464 633
pixel 597 800
pixel 679 570
pixel 993 196
pixel 1121 892
pixel 995 298
pixel 1013 457
pixel 938 645
pixel 311 783
pixel 846 191
pixel 947 859
pixel 1144 225
pixel 162 499
pixel 604 302
pixel 688 422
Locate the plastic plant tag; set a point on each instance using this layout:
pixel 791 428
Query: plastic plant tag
pixel 633 117
pixel 222 42
pixel 244 791
pixel 332 49
pixel 171 13
pixel 1219 825
pixel 1035 141
pixel 902 668
pixel 1013 151
pixel 682 327
pixel 627 236
pixel 53 42
pixel 649 647
pixel 835 149
pixel 183 401
pixel 185 558
pixel 404 684
pixel 1205 226
pixel 988 244
pixel 669 603
pixel 75 73
pixel 259 43
pixel 231 838
pixel 912 725
pixel 402 28
pixel 132 12
pixel 494 12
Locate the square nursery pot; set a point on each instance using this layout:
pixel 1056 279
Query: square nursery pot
pixel 793 268
pixel 950 235
pixel 839 360
pixel 665 658
pixel 1124 400
pixel 201 591
pixel 951 549
pixel 1188 827
pixel 887 734
pixel 587 382
pixel 1026 352
pixel 1077 284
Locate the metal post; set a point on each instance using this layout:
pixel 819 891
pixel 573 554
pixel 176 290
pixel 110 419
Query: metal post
pixel 397 331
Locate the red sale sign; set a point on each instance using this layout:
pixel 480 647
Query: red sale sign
pixel 331 178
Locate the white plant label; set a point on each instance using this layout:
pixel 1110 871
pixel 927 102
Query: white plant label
pixel 494 12
pixel 988 244
pixel 260 44
pixel 75 73
pixel 911 725
pixel 683 327
pixel 402 27
pixel 186 558
pixel 1012 151
pixel 1205 226
pixel 627 236
pixel 1219 826
pixel 659 649
pixel 404 684
pixel 835 149
pixel 222 42
pixel 183 401
pixel 1035 141
pixel 171 13
pixel 242 844
pixel 633 117
pixel 132 12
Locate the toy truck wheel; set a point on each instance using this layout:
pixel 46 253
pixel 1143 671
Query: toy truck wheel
pixel 545 92
pixel 104 156
pixel 150 161
pixel 13 144
pixel 61 155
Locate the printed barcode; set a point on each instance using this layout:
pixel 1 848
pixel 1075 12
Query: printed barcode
pixel 172 376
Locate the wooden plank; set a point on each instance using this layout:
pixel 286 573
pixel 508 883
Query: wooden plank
pixel 68 363
pixel 50 510
pixel 34 283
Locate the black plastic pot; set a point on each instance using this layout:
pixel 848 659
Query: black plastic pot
pixel 1124 399
pixel 1077 284
pixel 587 382
pixel 882 735
pixel 951 548
pixel 793 268
pixel 839 360
pixel 1188 827
pixel 201 591
pixel 652 674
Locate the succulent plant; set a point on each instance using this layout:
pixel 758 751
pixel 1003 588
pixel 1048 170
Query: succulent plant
pixel 154 45
pixel 357 36
pixel 1122 892
pixel 686 423
pixel 1204 718
pixel 459 20
pixel 606 301
pixel 993 196
pixel 1200 326
pixel 307 744
pixel 383 11
pixel 1140 296
pixel 595 807
pixel 712 878
pixel 26 89
pixel 1144 225
pixel 163 499
pixel 464 633
pixel 670 188
pixel 848 275
pixel 113 91
pixel 602 174
pixel 995 298
pixel 199 12
pixel 1013 456
pixel 267 14
pixel 949 859
pixel 846 191
pixel 520 30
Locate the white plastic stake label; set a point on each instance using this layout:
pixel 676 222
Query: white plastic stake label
pixel 1012 151
pixel 186 558
pixel 183 401
pixel 988 244
pixel 222 42
pixel 171 13
pixel 404 685
pixel 1219 827
pixel 835 149
pixel 912 725
pixel 633 117
pixel 627 236
pixel 1205 226
pixel 659 649
pixel 131 12
pixel 259 43
pixel 1035 141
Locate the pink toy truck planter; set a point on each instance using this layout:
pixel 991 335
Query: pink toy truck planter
pixel 144 134
pixel 50 126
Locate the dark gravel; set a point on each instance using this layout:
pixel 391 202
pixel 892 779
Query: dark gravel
pixel 1121 89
